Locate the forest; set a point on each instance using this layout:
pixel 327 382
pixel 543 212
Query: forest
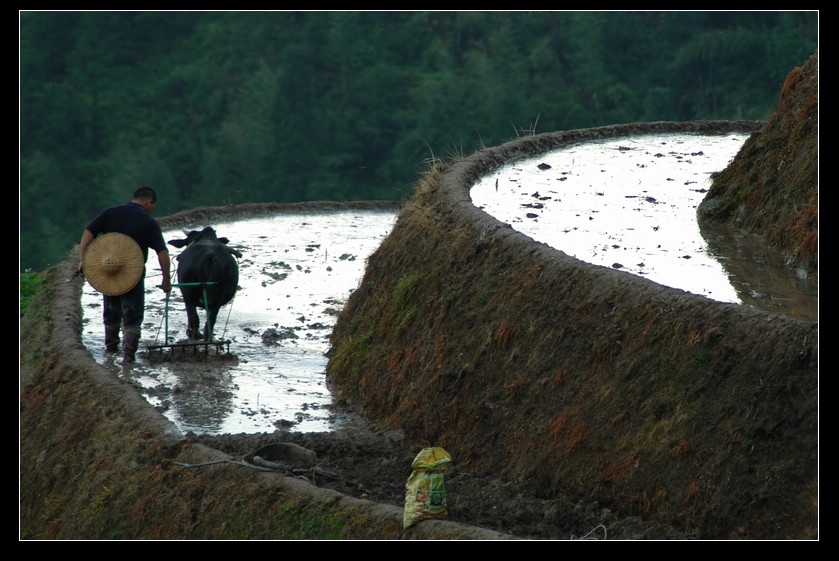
pixel 213 108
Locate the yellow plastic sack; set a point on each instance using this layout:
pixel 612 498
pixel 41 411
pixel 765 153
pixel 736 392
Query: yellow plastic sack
pixel 425 491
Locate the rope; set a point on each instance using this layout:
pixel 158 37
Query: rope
pixel 230 308
pixel 160 325
pixel 165 315
pixel 226 321
pixel 589 535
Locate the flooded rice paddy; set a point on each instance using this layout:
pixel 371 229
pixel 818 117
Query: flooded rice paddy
pixel 628 204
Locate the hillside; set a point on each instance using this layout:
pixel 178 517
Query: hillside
pixel 568 395
pixel 771 188
pixel 565 379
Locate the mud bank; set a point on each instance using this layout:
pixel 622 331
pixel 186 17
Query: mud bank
pixel 576 380
pixel 97 461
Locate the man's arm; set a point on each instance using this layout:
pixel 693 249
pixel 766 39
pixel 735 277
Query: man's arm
pixel 163 259
pixel 87 237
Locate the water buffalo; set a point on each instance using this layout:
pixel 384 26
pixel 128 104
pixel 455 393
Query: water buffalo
pixel 207 264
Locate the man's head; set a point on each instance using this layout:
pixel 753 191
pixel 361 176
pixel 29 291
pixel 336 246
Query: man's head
pixel 146 197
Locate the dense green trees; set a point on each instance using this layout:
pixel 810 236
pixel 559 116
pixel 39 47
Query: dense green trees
pixel 213 108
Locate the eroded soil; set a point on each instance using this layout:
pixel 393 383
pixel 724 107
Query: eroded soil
pixel 375 466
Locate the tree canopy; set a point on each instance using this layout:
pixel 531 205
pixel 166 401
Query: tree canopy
pixel 214 108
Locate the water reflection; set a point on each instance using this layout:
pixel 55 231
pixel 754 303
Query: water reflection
pixel 630 204
pixel 198 399
pixel 760 275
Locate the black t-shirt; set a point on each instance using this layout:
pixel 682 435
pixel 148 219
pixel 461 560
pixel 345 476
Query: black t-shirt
pixel 133 220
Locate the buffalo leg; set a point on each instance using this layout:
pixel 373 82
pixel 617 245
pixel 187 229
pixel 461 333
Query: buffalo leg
pixel 192 323
pixel 211 323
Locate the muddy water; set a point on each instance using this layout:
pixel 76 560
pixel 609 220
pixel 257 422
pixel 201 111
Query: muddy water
pixel 295 273
pixel 760 277
pixel 627 204
pixel 630 204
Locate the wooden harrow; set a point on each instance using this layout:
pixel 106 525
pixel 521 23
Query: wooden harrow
pixel 198 347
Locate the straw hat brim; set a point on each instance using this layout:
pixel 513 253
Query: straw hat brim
pixel 113 263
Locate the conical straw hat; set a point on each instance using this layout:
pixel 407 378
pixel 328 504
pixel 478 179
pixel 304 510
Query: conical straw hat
pixel 113 263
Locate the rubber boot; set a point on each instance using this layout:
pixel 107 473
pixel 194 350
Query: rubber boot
pixel 131 340
pixel 111 338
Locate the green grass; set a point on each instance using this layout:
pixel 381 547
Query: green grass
pixel 404 301
pixel 30 283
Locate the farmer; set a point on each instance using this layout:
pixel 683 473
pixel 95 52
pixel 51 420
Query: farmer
pixel 113 253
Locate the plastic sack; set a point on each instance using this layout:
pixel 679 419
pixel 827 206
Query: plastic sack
pixel 425 491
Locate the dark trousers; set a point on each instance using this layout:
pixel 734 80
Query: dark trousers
pixel 126 310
